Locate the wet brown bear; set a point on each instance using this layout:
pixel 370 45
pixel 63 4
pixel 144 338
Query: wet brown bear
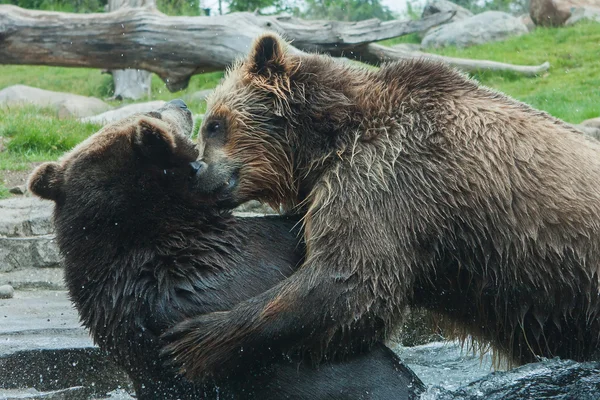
pixel 143 250
pixel 421 188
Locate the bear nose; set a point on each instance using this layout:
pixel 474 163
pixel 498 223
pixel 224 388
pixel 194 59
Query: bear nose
pixel 179 103
pixel 196 167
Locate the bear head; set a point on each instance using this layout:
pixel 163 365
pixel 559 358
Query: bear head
pixel 271 124
pixel 144 158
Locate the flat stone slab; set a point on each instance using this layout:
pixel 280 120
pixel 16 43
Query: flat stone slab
pixel 17 253
pixel 25 216
pixel 46 354
pixel 40 319
pixel 34 278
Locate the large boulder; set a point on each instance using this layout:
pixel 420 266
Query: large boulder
pixel 593 122
pixel 584 13
pixel 557 12
pixel 490 26
pixel 65 104
pixel 124 112
pixel 438 6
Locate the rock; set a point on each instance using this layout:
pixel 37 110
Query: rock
pixel 65 104
pixel 198 96
pixel 490 26
pixel 18 189
pixel 45 349
pixel 584 13
pixel 6 292
pixel 557 12
pixel 124 112
pixel 527 21
pixel 35 278
pixel 589 130
pixel 28 252
pixel 25 216
pixel 438 6
pixel 552 380
pixel 593 122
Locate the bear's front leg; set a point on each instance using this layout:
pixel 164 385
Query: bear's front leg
pixel 317 317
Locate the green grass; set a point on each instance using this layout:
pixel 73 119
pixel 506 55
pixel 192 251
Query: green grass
pixel 32 132
pixel 570 90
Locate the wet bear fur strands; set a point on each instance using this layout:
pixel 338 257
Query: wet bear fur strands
pixel 143 250
pixel 421 188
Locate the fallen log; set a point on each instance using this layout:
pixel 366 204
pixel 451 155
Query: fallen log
pixel 376 53
pixel 175 48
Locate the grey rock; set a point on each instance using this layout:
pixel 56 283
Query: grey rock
pixel 44 351
pixel 65 104
pixel 6 292
pixel 35 278
pixel 589 130
pixel 489 26
pixel 18 253
pixel 527 21
pixel 593 122
pixel 584 13
pixel 25 216
pixel 552 380
pixel 123 112
pixel 437 6
pixel 21 189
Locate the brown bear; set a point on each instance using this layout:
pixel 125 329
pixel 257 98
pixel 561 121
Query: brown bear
pixel 143 249
pixel 421 188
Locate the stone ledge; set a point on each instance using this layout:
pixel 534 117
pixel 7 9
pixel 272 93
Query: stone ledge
pixel 18 253
pixel 34 278
pixel 25 216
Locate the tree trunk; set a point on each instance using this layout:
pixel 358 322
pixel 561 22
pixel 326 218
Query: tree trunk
pixel 175 48
pixel 131 83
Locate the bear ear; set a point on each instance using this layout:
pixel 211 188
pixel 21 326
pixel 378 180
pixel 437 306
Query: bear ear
pixel 268 57
pixel 153 140
pixel 46 181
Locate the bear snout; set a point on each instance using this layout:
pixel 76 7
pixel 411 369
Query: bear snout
pixel 197 167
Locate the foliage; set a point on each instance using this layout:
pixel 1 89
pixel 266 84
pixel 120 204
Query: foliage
pixel 33 130
pixel 80 6
pixel 346 10
pixel 179 7
pixel 512 6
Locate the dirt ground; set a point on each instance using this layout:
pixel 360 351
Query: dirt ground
pixel 17 178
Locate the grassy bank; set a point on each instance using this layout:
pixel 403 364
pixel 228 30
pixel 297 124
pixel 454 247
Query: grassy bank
pixel 570 90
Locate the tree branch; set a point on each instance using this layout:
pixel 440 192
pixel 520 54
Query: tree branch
pixel 175 48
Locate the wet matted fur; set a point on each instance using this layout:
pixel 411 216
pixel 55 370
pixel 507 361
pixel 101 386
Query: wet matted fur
pixel 143 249
pixel 421 188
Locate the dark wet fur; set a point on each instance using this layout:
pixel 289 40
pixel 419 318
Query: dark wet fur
pixel 142 252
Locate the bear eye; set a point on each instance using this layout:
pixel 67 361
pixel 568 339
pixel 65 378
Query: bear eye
pixel 213 128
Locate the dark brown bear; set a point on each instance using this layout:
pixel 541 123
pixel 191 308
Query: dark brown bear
pixel 142 251
pixel 422 188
